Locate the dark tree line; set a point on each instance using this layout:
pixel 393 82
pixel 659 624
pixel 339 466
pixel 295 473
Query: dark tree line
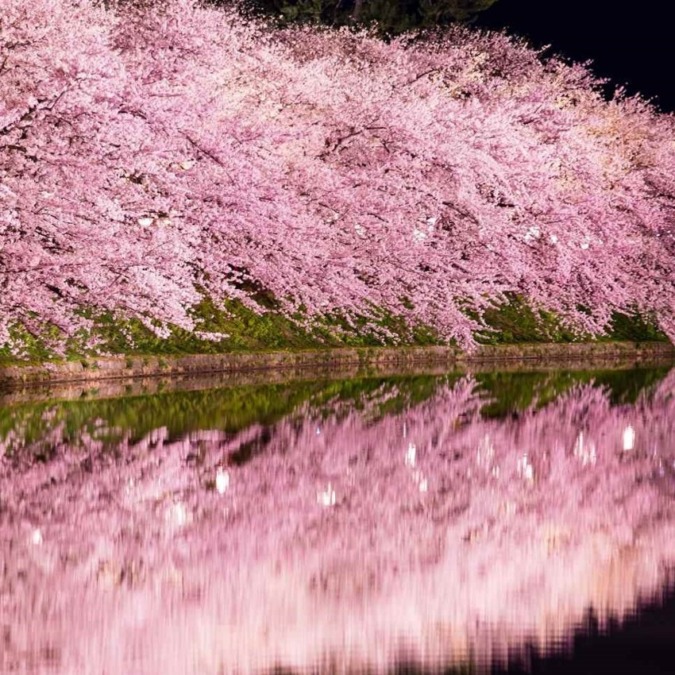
pixel 390 16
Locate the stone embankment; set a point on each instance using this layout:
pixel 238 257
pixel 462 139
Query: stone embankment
pixel 354 360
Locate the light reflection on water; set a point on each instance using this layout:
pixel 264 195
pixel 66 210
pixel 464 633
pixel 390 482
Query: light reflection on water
pixel 357 529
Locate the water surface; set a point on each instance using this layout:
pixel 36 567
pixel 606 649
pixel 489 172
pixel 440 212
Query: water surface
pixel 448 522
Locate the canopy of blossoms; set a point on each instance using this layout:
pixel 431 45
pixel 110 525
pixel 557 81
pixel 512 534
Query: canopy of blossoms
pixel 153 156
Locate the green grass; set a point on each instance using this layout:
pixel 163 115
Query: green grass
pixel 246 330
pixel 515 322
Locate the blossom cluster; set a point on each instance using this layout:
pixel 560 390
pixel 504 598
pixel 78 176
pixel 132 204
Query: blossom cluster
pixel 154 154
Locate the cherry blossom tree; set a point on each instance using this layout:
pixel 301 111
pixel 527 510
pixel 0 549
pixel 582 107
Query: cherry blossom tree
pixel 154 155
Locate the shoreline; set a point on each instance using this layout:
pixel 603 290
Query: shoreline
pixel 364 359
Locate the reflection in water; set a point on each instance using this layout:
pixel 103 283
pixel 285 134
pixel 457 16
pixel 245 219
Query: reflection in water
pixel 345 535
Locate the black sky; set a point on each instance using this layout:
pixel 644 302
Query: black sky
pixel 634 47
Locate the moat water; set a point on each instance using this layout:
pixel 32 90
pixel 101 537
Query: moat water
pixel 459 523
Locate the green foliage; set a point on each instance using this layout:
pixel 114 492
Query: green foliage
pixel 625 386
pixel 228 409
pixel 515 322
pixel 636 327
pixel 30 347
pixel 247 329
pixel 394 394
pixel 241 328
pixel 380 328
pixel 231 409
pixel 511 393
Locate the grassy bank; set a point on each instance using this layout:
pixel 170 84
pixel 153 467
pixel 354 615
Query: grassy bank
pixel 244 330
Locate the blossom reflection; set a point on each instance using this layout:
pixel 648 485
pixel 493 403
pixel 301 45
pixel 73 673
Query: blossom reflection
pixel 467 543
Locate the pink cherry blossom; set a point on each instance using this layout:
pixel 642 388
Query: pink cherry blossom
pixel 149 156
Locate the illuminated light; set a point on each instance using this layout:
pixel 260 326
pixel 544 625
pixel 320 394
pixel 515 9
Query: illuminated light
pixel 532 234
pixel 326 497
pixel 146 221
pixel 525 469
pixel 628 438
pixel 411 455
pixel 421 481
pixel 318 431
pixel 418 235
pixel 222 481
pixel 177 514
pixel 36 537
pixel 187 165
pixel 554 239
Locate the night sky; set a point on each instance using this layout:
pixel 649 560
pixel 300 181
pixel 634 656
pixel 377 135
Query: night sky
pixel 635 48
